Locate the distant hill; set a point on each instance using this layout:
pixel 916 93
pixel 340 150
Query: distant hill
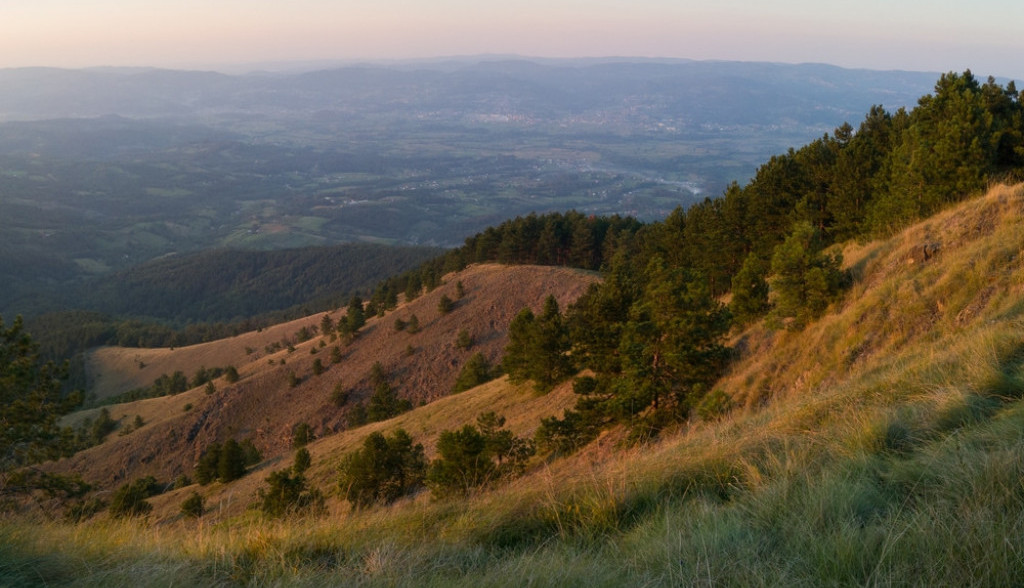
pixel 233 285
pixel 103 170
pixel 210 294
pixel 692 93
pixel 422 367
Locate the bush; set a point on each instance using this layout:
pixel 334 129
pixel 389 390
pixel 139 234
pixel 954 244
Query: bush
pixel 288 492
pixel 714 404
pixel 82 510
pixel 302 461
pixel 477 455
pixel 250 455
pixel 476 371
pixel 339 396
pixel 102 426
pixel 206 468
pixel 130 500
pixel 383 470
pixel 302 434
pixel 231 461
pixel 192 507
pixel 445 304
pixel 225 462
pixel 566 435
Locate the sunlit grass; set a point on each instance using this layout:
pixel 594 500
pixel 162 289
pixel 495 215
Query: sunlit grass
pixel 901 466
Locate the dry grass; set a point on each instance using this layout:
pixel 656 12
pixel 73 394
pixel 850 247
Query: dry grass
pixel 264 407
pixel 881 446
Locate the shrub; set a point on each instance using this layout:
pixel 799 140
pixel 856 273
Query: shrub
pixel 130 500
pixel 225 462
pixel 84 509
pixel 102 426
pixel 339 396
pixel 445 304
pixel 288 492
pixel 476 371
pixel 714 404
pixel 302 434
pixel 302 461
pixel 477 455
pixel 383 470
pixel 192 507
pixel 464 340
pixel 206 468
pixel 250 454
pixel 231 461
pixel 565 435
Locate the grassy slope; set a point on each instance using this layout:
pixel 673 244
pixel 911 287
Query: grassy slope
pixel 263 406
pixel 884 444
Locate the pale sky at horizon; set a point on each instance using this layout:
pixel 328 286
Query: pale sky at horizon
pixel 938 35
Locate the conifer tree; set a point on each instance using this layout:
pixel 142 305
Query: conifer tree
pixel 383 470
pixel 231 462
pixel 804 280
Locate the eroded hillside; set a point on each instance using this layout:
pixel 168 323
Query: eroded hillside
pixel 267 401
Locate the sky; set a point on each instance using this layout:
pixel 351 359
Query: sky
pixel 919 35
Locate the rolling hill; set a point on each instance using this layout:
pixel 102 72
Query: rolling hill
pixel 264 406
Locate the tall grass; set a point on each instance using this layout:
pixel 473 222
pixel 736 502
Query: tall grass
pixel 901 466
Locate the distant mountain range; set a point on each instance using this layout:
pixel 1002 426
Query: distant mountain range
pixel 105 169
pixel 694 94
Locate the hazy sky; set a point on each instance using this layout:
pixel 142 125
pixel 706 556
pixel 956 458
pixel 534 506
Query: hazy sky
pixel 934 35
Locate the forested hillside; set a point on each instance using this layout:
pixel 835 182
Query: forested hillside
pixel 186 299
pixel 653 333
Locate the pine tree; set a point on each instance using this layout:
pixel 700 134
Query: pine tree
pixel 804 280
pixel 383 470
pixel 231 462
pixel 30 402
pixel 476 371
pixel 750 290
